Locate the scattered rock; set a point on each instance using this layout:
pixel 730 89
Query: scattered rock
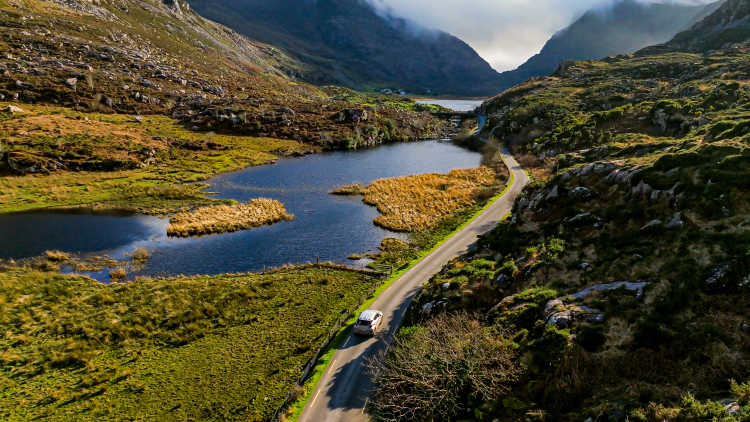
pixel 718 275
pixel 351 115
pixel 138 119
pixel 731 406
pixel 652 225
pixel 554 193
pixel 660 120
pixel 502 280
pixel 581 193
pixel 562 315
pixel 676 222
pixel 13 109
pixel 636 287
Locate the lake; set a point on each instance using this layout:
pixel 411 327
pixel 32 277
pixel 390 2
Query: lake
pixel 455 105
pixel 326 227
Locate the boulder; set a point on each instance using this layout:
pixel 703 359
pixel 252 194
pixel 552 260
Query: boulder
pixel 652 225
pixel 562 315
pixel 636 287
pixel 581 193
pixel 582 218
pixel 71 82
pixel 554 193
pixel 642 189
pixel 660 120
pixel 351 115
pixel 13 109
pixel 676 222
pixel 718 276
pixel 731 406
pixel 603 168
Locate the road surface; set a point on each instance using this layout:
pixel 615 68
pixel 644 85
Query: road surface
pixel 481 120
pixel 342 393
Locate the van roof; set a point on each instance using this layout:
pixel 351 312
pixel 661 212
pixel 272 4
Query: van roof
pixel 368 315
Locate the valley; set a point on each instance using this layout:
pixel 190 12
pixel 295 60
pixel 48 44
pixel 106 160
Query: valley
pixel 194 213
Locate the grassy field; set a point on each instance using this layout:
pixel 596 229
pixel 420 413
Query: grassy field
pixel 212 348
pixel 420 202
pixel 227 218
pixel 118 161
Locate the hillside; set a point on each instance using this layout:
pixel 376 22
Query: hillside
pixel 624 27
pixel 618 289
pixel 730 24
pixel 346 42
pixel 127 98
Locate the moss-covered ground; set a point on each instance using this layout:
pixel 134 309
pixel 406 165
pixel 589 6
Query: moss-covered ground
pixel 227 347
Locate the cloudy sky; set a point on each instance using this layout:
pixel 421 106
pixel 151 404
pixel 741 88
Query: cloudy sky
pixel 504 32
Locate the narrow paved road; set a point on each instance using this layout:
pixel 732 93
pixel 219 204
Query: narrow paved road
pixel 342 393
pixel 481 120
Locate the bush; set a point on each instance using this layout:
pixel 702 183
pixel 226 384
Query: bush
pixel 440 371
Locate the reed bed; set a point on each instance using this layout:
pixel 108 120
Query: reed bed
pixel 227 218
pixel 348 190
pixel 417 203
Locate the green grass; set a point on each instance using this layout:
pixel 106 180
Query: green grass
pixel 295 410
pixel 228 347
pixel 157 188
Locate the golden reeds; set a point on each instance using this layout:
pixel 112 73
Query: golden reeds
pixel 348 190
pixel 414 203
pixel 227 218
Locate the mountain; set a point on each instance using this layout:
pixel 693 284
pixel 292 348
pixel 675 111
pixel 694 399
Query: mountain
pixel 730 24
pixel 160 57
pixel 348 42
pixel 625 27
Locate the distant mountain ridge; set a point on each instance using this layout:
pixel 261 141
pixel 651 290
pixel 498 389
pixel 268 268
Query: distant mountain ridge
pixel 626 27
pixel 348 42
pixel 730 24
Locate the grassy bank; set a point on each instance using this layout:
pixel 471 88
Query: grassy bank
pixel 117 161
pixel 227 218
pixel 227 347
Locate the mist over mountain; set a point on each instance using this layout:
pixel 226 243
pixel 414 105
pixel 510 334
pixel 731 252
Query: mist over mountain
pixel 351 43
pixel 624 27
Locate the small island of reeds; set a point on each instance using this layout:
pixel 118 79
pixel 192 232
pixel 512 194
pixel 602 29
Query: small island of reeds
pixel 420 202
pixel 227 218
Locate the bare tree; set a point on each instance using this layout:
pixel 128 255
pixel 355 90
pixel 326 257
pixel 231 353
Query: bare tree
pixel 433 372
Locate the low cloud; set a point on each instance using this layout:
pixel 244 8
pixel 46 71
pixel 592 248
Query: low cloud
pixel 504 32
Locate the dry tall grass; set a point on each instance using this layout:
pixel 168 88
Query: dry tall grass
pixel 415 203
pixel 227 218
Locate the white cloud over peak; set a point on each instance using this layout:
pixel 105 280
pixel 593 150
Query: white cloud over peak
pixel 504 32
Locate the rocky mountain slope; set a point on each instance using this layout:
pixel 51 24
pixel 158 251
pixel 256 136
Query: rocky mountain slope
pixel 619 288
pixel 624 27
pixel 729 25
pixel 149 56
pixel 134 98
pixel 346 42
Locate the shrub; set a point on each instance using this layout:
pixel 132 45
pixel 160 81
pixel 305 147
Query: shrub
pixel 442 370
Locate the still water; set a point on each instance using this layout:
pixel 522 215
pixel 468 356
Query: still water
pixel 455 105
pixel 325 227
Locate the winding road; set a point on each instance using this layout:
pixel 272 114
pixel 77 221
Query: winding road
pixel 342 393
